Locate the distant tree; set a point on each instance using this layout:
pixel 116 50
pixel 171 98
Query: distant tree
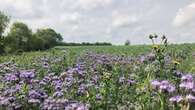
pixel 84 44
pixel 36 43
pixel 49 36
pixel 127 42
pixel 59 37
pixel 19 37
pixel 4 20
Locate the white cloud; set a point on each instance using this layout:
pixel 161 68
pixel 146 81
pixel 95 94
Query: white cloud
pixel 22 9
pixel 185 15
pixel 122 19
pixel 70 17
pixel 92 4
pixel 17 4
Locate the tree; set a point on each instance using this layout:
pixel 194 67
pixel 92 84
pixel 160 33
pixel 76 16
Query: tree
pixel 36 43
pixel 127 42
pixel 4 20
pixel 19 36
pixel 49 36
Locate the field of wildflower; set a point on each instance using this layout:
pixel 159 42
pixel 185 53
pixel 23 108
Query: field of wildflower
pixel 143 77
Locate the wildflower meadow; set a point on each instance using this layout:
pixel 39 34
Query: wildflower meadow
pixel 140 77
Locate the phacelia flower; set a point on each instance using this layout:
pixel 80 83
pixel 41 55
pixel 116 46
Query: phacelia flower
pixel 176 99
pixel 190 98
pixel 155 84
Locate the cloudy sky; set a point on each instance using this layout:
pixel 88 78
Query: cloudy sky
pixel 108 20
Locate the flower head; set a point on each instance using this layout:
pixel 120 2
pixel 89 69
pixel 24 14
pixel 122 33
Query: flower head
pixel 190 98
pixel 176 99
pixel 187 77
pixel 155 83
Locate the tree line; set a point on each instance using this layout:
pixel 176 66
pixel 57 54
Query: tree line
pixel 21 38
pixel 84 44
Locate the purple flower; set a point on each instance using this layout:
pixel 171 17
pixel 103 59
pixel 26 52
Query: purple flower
pixel 4 101
pixel 34 101
pixel 70 71
pixel 187 82
pixel 187 85
pixel 18 87
pixel 171 88
pixel 187 77
pixel 155 84
pixel 95 79
pixel 142 59
pixel 33 94
pixel 69 81
pixel 34 81
pixel 57 84
pixel 42 83
pixel 190 98
pixel 58 87
pixel 82 107
pixel 163 86
pixel 176 99
pixel 12 90
pixel 58 94
pixel 11 77
pixel 82 89
pixel 81 73
pixel 46 79
pixel 130 82
pixel 27 74
pixel 45 65
pixel 178 73
pixel 99 97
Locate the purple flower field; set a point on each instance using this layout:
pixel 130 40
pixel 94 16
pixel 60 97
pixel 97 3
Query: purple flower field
pixel 95 80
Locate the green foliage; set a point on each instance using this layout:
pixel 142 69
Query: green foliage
pixel 19 37
pixel 36 43
pixel 4 20
pixel 48 36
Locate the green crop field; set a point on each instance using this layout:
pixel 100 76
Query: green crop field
pixel 98 77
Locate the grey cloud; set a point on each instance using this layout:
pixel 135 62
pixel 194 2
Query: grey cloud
pixel 107 20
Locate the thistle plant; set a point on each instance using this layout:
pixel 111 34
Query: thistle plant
pixel 160 52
